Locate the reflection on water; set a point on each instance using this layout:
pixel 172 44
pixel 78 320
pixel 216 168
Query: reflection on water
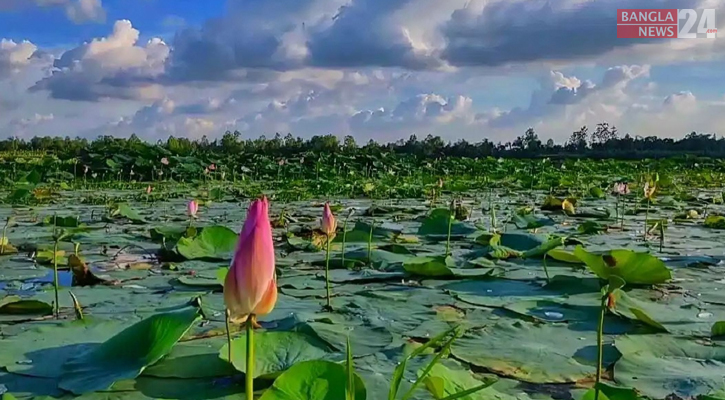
pixel 65 279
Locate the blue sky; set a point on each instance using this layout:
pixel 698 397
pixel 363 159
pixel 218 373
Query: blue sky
pixel 381 69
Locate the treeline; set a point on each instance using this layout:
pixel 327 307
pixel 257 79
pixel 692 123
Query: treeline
pixel 602 142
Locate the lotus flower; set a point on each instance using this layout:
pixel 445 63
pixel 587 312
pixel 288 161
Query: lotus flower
pixel 440 183
pixel 192 208
pixel 250 288
pixel 649 190
pixel 165 161
pixel 620 188
pixel 149 189
pixel 212 167
pixel 85 169
pixel 329 223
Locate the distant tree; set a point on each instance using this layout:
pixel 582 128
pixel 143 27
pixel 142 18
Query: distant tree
pixel 531 142
pixel 603 134
pixel 578 140
pixel 349 144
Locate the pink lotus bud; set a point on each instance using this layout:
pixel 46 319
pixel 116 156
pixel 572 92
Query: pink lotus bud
pixel 192 208
pixel 165 161
pixel 250 287
pixel 149 189
pixel 329 223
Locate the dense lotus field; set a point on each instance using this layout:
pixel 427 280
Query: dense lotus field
pixel 470 294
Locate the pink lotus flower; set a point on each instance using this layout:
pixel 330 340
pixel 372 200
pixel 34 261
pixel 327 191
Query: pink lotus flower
pixel 250 288
pixel 620 188
pixel 212 167
pixel 165 161
pixel 192 208
pixel 329 223
pixel 149 189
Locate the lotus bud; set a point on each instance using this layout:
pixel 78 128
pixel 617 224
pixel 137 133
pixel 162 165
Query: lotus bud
pixel 329 223
pixel 250 287
pixel 192 208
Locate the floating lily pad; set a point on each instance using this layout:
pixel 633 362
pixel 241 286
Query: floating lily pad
pixel 127 354
pixel 213 243
pixel 275 352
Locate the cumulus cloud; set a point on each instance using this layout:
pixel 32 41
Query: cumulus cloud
pixel 416 111
pixel 371 68
pixel 520 31
pixel 558 92
pixel 81 11
pixel 15 56
pixel 111 67
pixel 27 127
pixel 372 33
pixel 78 11
pixel 252 34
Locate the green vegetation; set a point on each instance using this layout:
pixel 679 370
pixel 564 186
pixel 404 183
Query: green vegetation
pixel 447 278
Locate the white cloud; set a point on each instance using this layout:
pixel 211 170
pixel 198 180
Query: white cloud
pixel 78 11
pixel 371 68
pixel 30 126
pixel 15 56
pixel 110 67
pixel 81 11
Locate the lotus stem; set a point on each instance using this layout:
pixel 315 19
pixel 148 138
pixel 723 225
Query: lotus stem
pixel 76 306
pixel 327 272
pixel 600 350
pixel 646 220
pixel 546 270
pixel 492 210
pixel 624 203
pixel 344 239
pixel 5 237
pixel 370 243
pixel 249 371
pixel 55 279
pixel 616 207
pixel 227 315
pixel 451 216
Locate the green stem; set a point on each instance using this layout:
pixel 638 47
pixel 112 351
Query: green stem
pixel 227 315
pixel 600 352
pixel 327 272
pixel 4 238
pixel 55 279
pixel 616 207
pixel 646 220
pixel 370 244
pixel 546 270
pixel 249 371
pixel 448 238
pixel 344 239
pixel 492 210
